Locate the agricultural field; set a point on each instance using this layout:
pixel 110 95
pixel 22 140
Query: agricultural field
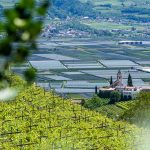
pixel 115 110
pixel 78 65
pixel 107 25
pixel 125 105
pixel 75 67
pixel 116 17
pixel 116 5
pixel 111 111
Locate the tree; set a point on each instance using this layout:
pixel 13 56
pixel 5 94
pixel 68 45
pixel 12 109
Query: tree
pixel 139 111
pixel 104 94
pixel 22 25
pixel 95 102
pixel 111 80
pixel 115 96
pixel 129 83
pixel 96 90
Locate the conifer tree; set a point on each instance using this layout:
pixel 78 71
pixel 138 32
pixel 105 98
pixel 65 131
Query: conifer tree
pixel 96 90
pixel 130 83
pixel 111 80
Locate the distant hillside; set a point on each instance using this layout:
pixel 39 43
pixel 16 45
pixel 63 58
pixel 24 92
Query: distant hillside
pixel 130 9
pixel 94 8
pixel 116 18
pixel 64 8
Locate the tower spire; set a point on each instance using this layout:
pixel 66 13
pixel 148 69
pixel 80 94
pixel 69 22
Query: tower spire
pixel 119 77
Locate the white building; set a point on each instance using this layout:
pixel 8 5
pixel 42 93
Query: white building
pixel 130 92
pixel 126 91
pixel 130 42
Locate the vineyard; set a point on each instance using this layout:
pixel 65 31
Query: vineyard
pixel 126 105
pixel 37 119
pixel 116 110
pixel 111 111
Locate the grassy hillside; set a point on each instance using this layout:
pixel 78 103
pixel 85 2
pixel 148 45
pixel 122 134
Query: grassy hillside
pixel 41 120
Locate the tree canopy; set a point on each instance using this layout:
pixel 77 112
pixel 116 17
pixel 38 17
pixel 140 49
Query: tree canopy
pixel 115 96
pixel 96 102
pixel 139 113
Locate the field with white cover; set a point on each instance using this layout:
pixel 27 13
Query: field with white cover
pixel 75 67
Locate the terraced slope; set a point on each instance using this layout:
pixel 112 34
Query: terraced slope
pixel 116 110
pixel 39 119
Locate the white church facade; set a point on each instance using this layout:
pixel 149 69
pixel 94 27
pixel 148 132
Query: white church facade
pixel 128 92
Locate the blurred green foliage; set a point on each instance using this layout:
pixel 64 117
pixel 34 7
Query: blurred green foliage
pixel 22 25
pixel 139 113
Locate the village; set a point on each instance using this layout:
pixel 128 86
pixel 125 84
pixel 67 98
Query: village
pixel 84 28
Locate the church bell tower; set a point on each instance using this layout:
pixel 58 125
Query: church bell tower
pixel 119 77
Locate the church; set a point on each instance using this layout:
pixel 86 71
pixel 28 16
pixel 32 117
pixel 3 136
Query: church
pixel 118 82
pixel 128 92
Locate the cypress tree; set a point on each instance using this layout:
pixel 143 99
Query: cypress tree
pixel 130 83
pixel 96 90
pixel 111 80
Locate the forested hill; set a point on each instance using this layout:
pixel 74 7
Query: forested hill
pixel 64 8
pixel 94 18
pixel 93 8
